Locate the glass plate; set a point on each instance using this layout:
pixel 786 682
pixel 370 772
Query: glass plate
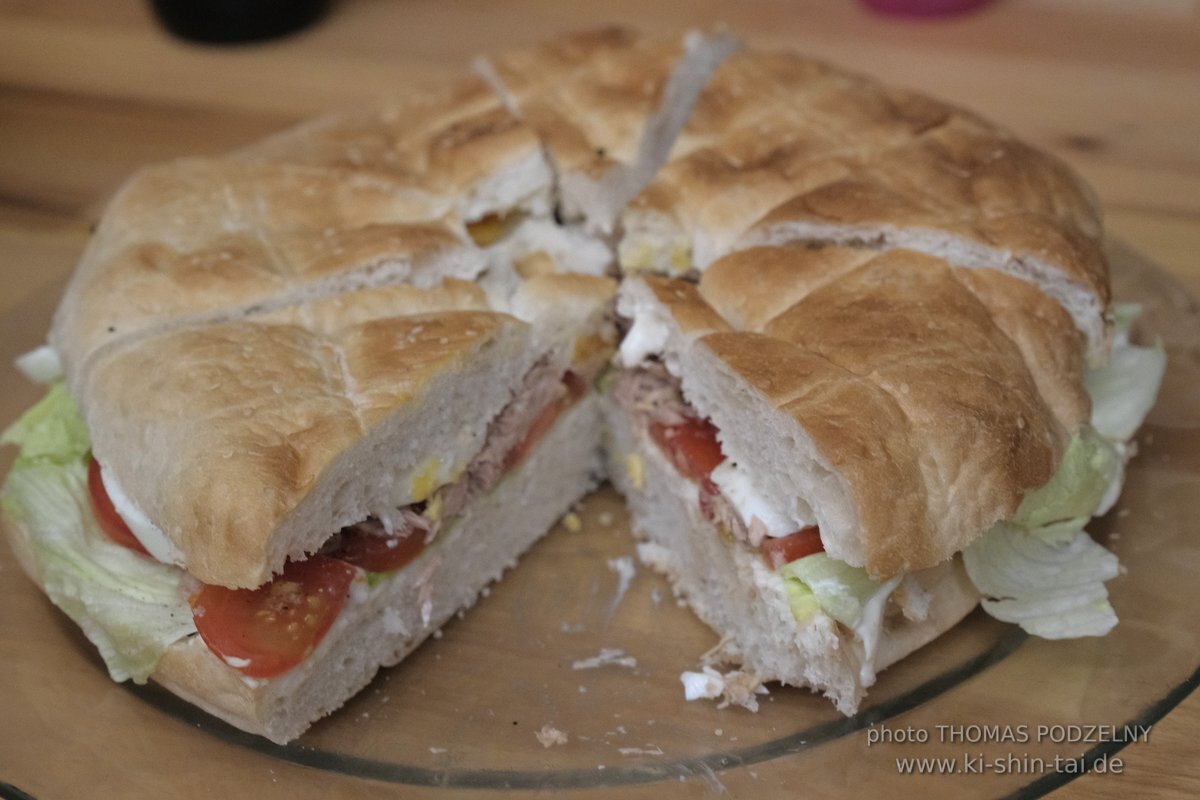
pixel 1019 715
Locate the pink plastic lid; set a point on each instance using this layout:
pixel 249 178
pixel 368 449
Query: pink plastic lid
pixel 924 8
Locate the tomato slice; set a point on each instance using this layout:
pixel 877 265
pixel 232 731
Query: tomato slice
pixel 781 550
pixel 266 631
pixel 379 553
pixel 691 446
pixel 106 514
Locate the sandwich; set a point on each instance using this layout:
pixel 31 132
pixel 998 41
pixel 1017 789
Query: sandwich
pixel 306 400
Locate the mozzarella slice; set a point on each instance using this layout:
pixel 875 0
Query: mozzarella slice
pixel 737 483
pixel 146 532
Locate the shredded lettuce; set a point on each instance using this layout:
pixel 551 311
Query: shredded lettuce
pixel 130 607
pixel 52 431
pixel 1088 467
pixel 1123 390
pixel 820 582
pixel 1051 589
pixel 1042 570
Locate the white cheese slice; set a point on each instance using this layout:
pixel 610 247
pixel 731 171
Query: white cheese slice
pixel 146 532
pixel 737 483
pixel 649 333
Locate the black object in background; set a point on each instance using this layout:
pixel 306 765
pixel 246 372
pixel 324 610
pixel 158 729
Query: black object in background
pixel 237 20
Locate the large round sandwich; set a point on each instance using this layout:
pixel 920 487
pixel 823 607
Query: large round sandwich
pixel 307 400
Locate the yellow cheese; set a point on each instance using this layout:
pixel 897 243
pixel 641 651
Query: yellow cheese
pixel 426 480
pixel 681 258
pixel 633 467
pixel 492 228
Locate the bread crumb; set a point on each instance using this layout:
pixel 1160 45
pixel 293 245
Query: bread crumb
pixel 550 736
pixel 649 750
pixel 608 656
pixel 606 518
pixel 625 570
pixel 735 688
pixel 572 522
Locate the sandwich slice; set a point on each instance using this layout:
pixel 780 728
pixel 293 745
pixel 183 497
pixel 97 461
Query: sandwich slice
pixel 258 515
pixel 834 453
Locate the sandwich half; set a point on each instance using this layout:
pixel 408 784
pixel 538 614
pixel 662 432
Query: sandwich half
pixel 297 394
pixel 258 515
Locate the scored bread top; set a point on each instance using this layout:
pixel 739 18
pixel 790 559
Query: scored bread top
pixel 216 239
pixel 589 94
pixel 782 148
pixel 918 384
pixel 456 140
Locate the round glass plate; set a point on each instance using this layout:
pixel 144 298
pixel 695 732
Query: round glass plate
pixel 478 708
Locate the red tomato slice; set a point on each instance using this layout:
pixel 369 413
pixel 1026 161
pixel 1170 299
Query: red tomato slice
pixel 691 446
pixel 379 553
pixel 106 514
pixel 268 630
pixel 781 550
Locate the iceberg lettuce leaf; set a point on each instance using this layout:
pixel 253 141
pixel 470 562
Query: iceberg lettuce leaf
pixel 1088 468
pixel 130 607
pixel 838 589
pixel 51 430
pixel 1123 390
pixel 1051 589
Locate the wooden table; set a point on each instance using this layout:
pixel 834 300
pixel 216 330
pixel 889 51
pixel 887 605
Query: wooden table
pixel 90 90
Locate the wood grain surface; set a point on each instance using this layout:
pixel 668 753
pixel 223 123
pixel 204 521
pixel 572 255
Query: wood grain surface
pixel 92 89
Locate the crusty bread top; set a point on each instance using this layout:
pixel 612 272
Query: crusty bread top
pixel 217 239
pixel 752 287
pixel 448 138
pixel 783 148
pixel 588 95
pixel 909 376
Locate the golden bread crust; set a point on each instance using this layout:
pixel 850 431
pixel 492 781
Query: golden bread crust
pixel 203 239
pixel 785 148
pixel 444 138
pixel 588 95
